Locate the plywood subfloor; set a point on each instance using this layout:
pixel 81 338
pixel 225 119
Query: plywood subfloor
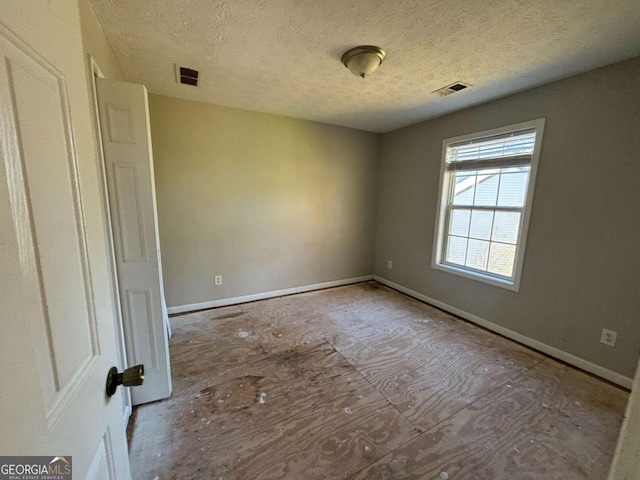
pixel 362 382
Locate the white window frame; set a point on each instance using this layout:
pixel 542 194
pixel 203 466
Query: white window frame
pixel 444 186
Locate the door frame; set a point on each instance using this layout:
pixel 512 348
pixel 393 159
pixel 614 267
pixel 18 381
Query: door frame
pixel 94 71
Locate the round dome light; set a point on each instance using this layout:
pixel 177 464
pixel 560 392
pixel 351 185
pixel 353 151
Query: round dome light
pixel 363 60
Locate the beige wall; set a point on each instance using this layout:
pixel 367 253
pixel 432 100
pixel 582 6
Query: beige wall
pixel 95 42
pixel 582 264
pixel 268 202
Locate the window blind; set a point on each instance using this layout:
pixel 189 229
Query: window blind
pixel 511 149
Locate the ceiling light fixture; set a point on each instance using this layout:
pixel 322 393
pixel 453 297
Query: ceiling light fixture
pixel 363 60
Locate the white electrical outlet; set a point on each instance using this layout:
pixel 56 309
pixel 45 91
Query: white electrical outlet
pixel 609 337
pixel 389 264
pixel 218 280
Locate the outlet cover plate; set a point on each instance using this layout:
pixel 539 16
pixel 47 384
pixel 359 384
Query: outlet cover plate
pixel 609 337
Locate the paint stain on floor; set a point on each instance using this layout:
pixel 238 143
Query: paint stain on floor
pixel 362 382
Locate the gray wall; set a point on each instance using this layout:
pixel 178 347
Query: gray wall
pixel 269 202
pixel 582 264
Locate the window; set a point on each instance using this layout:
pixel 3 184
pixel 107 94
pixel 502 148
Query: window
pixel 486 185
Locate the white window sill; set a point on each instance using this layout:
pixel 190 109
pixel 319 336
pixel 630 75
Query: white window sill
pixel 489 279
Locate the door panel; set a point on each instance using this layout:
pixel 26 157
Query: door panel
pixel 141 328
pixel 58 337
pixel 132 237
pixel 101 467
pixel 126 141
pixel 56 246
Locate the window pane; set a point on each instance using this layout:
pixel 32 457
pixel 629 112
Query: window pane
pixel 456 250
pixel 464 188
pixel 513 187
pixel 486 190
pixel 506 226
pixel 481 221
pixel 501 259
pixel 477 254
pixel 460 222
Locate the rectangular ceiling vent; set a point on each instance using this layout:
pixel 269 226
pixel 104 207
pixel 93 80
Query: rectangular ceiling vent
pixel 187 76
pixel 453 88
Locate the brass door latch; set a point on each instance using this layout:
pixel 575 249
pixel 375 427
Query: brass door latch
pixel 131 377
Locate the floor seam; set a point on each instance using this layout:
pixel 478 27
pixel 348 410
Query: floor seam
pixel 373 386
pixel 425 432
pixel 416 428
pixel 511 379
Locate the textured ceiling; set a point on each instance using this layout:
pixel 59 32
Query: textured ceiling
pixel 283 56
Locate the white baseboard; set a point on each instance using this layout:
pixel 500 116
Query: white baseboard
pixel 578 362
pixel 261 296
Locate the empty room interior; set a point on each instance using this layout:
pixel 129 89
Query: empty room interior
pixel 362 239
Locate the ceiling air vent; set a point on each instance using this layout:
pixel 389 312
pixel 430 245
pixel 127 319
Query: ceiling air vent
pixel 188 76
pixel 453 88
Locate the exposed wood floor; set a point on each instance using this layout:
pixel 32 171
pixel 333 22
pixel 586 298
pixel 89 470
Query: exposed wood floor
pixel 362 382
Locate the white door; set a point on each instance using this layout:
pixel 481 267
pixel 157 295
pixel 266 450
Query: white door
pixel 126 142
pixel 626 462
pixel 58 334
